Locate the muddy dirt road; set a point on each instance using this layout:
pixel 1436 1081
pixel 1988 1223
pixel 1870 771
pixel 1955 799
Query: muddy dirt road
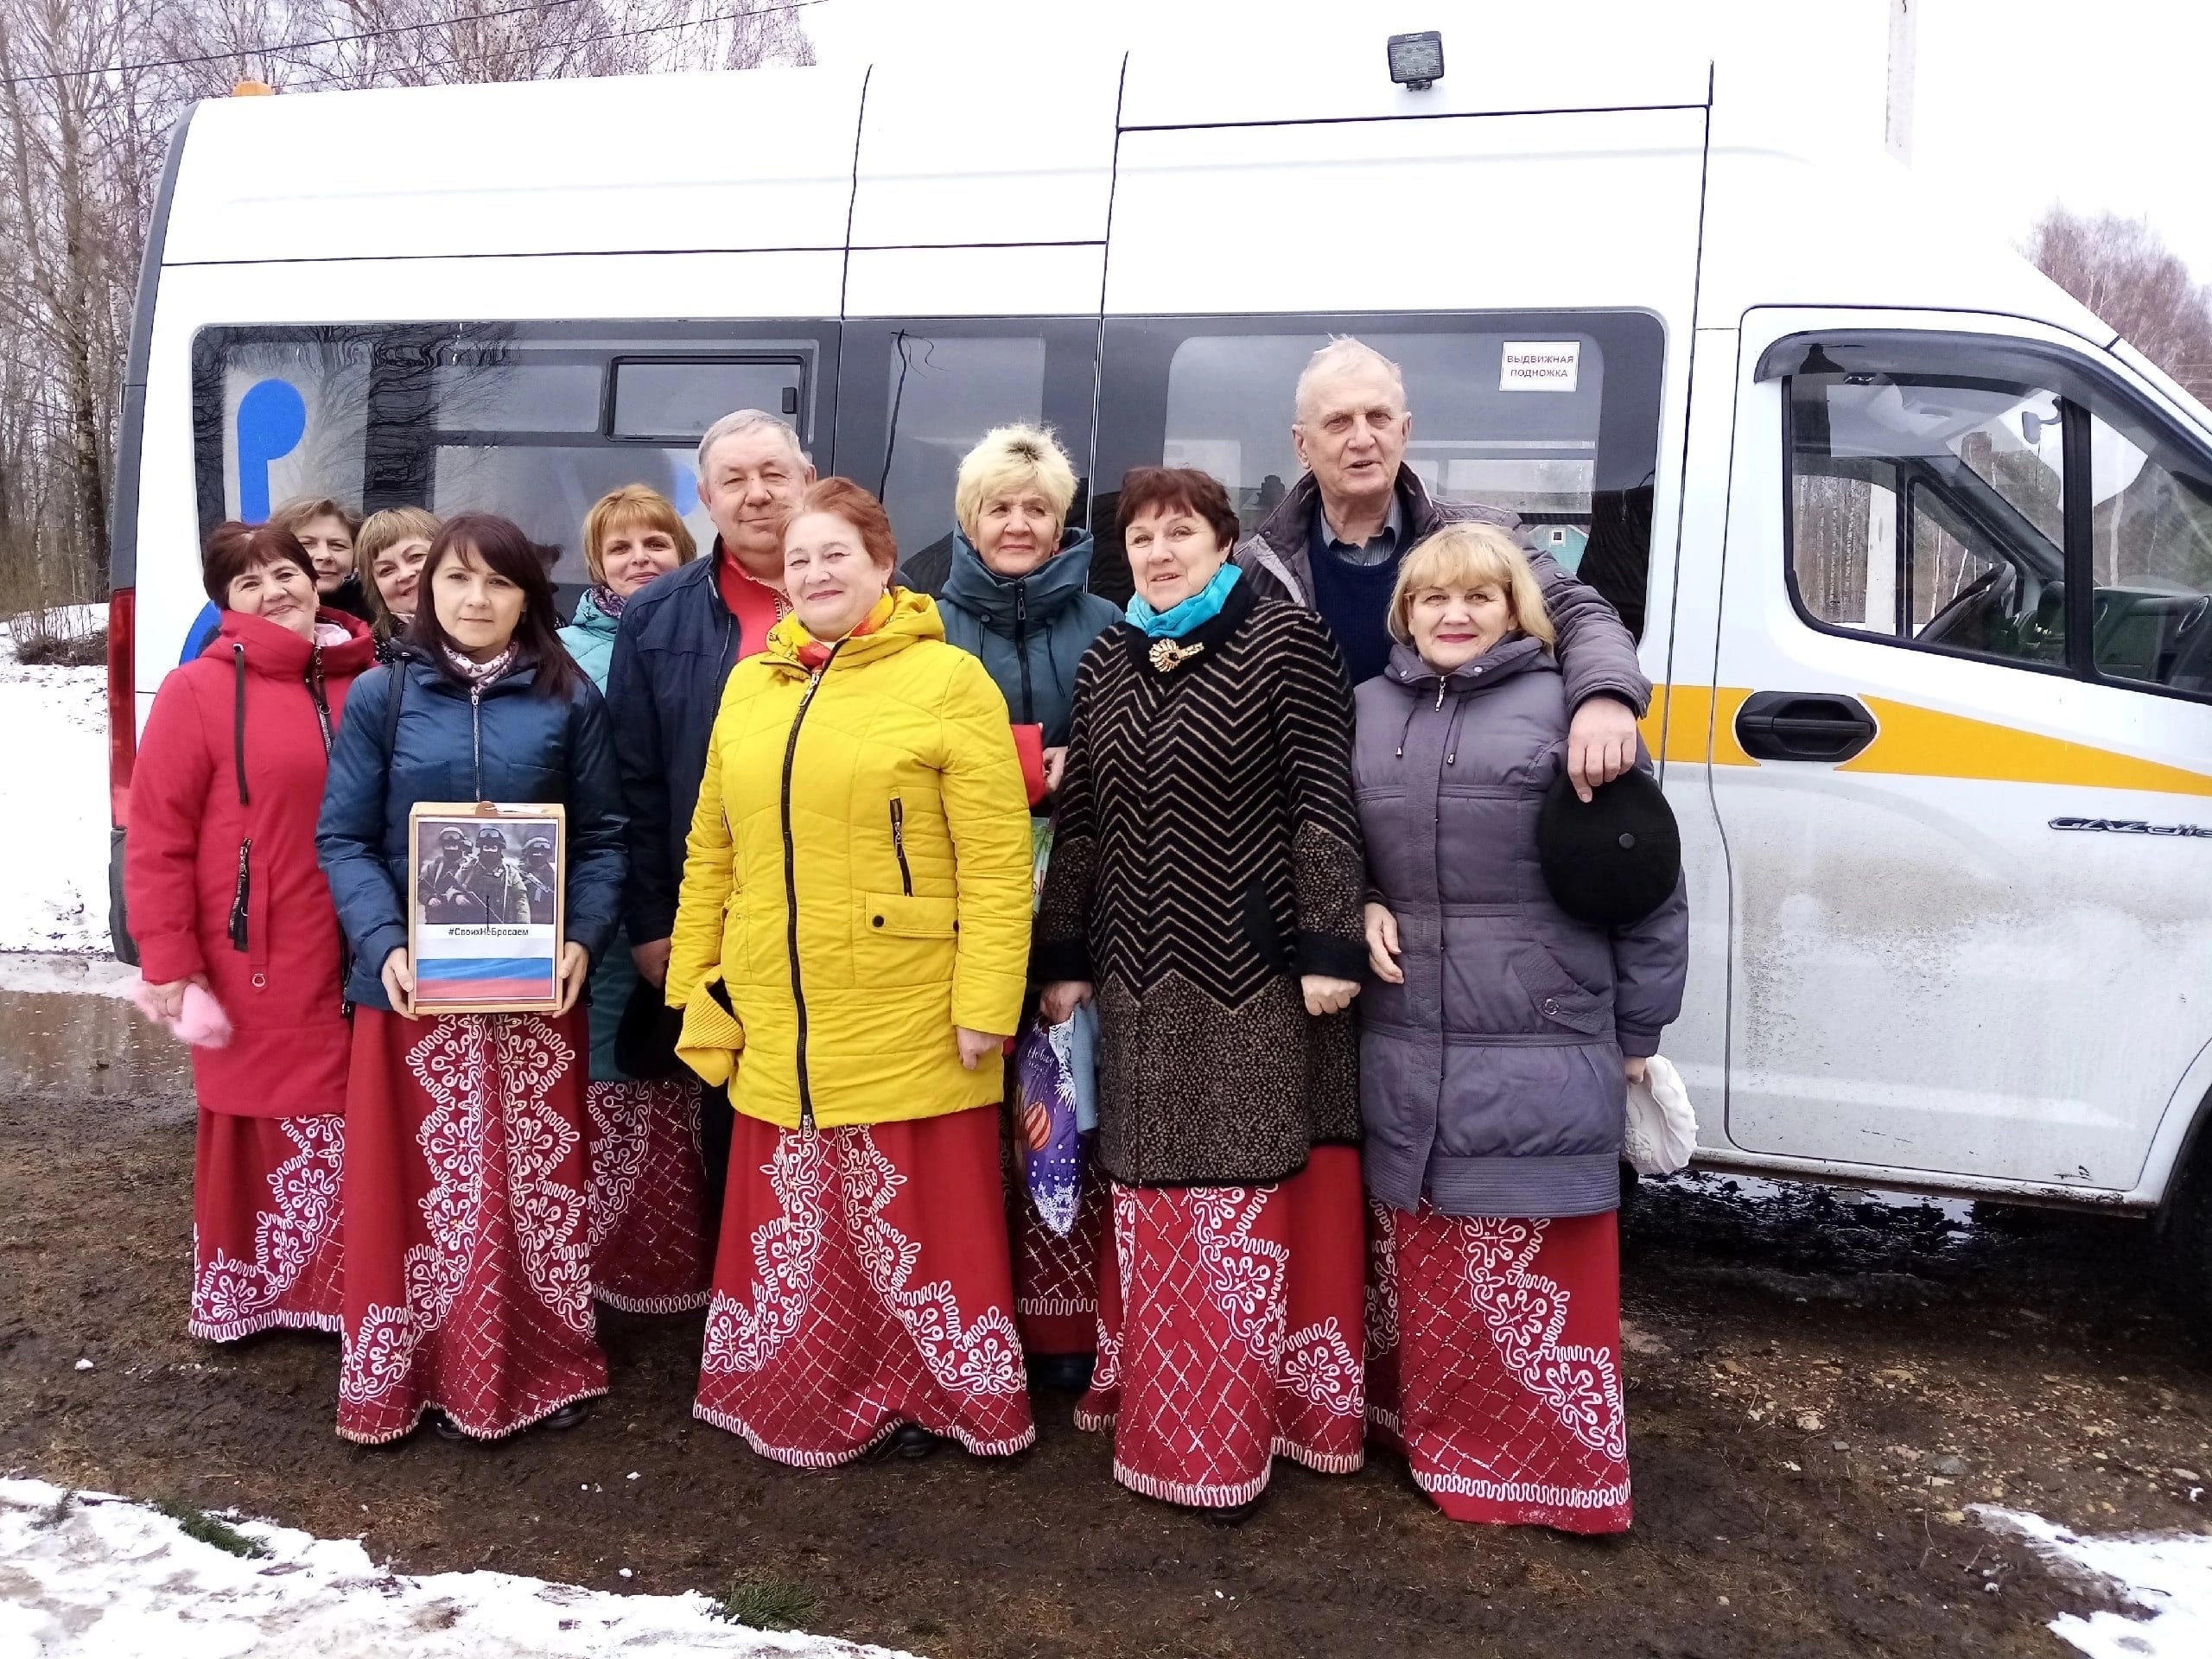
pixel 1820 1385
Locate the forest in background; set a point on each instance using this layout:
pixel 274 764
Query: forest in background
pixel 89 91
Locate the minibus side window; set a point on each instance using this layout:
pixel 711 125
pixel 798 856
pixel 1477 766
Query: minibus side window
pixel 1929 511
pixel 1553 416
pixel 916 395
pixel 2151 552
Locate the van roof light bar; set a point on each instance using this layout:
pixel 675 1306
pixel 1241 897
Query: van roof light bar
pixel 1417 61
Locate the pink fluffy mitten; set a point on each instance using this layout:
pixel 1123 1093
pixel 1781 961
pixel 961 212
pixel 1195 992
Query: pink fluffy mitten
pixel 201 1023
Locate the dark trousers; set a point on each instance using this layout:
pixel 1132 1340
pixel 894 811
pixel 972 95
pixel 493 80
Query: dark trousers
pixel 715 1122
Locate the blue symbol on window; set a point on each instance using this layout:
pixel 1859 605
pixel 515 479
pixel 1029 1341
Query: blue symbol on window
pixel 272 419
pixel 204 627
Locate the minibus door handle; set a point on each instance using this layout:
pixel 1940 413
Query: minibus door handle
pixel 1803 726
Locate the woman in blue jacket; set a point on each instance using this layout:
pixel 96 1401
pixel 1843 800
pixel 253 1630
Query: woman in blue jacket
pixel 468 1265
pixel 650 1253
pixel 1017 597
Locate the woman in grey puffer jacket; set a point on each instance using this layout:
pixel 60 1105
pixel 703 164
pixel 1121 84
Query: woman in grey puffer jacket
pixel 1493 1059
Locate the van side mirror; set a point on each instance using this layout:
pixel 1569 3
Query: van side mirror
pixel 2031 426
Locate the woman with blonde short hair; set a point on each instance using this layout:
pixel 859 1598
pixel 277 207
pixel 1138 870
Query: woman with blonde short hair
pixel 1017 597
pixel 1498 1037
pixel 651 1252
pixel 389 550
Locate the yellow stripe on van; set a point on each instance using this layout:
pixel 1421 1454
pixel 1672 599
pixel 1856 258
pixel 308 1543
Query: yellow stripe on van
pixel 1686 713
pixel 1923 743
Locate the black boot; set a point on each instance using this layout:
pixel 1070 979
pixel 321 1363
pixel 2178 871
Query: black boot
pixel 1060 1373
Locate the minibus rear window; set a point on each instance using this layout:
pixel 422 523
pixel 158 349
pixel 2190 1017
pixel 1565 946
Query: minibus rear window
pixel 535 421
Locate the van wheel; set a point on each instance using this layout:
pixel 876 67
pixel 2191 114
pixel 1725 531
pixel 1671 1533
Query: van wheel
pixel 2184 1226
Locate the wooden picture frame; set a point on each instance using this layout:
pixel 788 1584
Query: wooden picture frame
pixel 486 905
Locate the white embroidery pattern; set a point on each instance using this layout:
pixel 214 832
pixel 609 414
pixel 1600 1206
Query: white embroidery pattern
pixel 618 1153
pixel 1382 1281
pixel 981 1360
pixel 454 1065
pixel 1244 1274
pixel 1318 1368
pixel 230 1297
pixel 1525 1312
pixel 742 1339
pixel 551 1219
pixel 1106 1369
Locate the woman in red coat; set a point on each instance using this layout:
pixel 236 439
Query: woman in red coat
pixel 224 893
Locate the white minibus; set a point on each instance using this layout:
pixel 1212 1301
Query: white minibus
pixel 1918 552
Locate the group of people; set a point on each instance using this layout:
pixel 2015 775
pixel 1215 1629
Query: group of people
pixel 832 842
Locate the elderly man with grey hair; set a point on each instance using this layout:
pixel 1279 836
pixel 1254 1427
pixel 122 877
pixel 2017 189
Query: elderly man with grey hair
pixel 679 637
pixel 1334 542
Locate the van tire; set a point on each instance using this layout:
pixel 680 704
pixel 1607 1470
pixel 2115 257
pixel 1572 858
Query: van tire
pixel 2184 1226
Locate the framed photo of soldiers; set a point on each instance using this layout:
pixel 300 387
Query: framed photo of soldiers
pixel 484 906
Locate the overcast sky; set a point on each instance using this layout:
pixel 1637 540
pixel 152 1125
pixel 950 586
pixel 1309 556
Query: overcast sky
pixel 2020 103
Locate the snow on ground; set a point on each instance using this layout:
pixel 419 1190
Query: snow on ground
pixel 2168 1575
pixel 54 808
pixel 64 976
pixel 98 1577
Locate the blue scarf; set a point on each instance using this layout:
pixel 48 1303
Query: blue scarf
pixel 1200 607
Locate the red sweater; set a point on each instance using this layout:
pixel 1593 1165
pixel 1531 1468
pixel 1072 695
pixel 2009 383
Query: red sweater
pixel 757 607
pixel 188 828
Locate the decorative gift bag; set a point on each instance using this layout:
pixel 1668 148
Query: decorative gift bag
pixel 1055 1068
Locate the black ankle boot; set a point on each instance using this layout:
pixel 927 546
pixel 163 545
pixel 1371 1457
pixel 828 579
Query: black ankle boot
pixel 1060 1373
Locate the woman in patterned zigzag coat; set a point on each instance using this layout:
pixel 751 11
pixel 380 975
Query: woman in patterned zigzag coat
pixel 1491 1062
pixel 1204 889
pixel 223 892
pixel 468 1261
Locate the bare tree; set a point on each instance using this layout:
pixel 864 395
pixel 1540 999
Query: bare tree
pixel 2123 270
pixel 88 92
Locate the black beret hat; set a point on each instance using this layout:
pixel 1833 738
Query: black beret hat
pixel 1615 861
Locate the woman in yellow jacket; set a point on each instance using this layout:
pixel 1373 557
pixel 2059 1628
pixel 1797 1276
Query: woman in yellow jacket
pixel 850 949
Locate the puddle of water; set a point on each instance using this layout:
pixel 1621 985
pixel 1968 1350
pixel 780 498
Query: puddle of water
pixel 64 1027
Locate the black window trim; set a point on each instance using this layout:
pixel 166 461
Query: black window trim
pixel 2080 382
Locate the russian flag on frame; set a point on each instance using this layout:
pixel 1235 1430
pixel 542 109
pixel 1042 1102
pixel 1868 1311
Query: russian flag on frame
pixel 465 965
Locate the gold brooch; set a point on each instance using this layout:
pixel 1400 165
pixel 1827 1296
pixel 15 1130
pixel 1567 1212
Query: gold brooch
pixel 1166 654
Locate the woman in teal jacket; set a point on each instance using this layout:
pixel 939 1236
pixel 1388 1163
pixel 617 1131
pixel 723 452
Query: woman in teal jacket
pixel 651 1252
pixel 1018 596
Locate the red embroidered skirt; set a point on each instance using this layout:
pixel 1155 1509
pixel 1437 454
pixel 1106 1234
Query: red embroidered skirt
pixel 266 1245
pixel 863 1282
pixel 1228 1323
pixel 1056 1275
pixel 467 1255
pixel 648 1197
pixel 1494 1362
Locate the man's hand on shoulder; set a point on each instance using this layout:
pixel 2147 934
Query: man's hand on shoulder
pixel 1601 743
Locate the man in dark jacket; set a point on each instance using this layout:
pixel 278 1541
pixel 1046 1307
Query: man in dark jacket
pixel 680 636
pixel 1334 542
